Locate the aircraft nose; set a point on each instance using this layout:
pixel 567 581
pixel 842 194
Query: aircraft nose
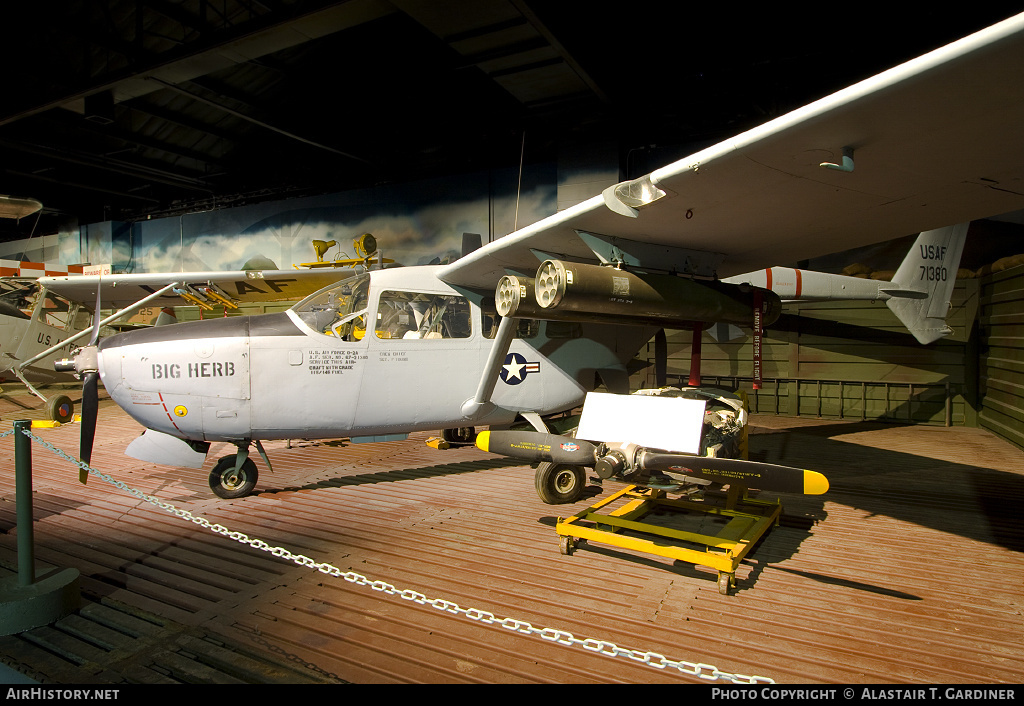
pixel 169 359
pixel 176 378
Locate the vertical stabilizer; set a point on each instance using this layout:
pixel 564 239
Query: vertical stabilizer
pixel 923 284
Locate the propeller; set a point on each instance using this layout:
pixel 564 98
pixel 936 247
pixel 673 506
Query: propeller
pixel 85 364
pixel 535 446
pixel 89 369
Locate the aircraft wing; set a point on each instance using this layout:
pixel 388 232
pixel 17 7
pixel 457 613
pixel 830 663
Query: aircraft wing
pixel 240 286
pixel 933 142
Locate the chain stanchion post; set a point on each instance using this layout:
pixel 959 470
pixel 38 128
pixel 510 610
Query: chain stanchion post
pixel 23 498
pixel 29 600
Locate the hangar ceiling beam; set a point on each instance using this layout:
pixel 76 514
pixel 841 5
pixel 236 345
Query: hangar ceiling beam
pixel 509 44
pixel 137 139
pixel 283 27
pixel 145 107
pixel 562 51
pixel 96 187
pixel 111 164
pixel 180 14
pixel 255 121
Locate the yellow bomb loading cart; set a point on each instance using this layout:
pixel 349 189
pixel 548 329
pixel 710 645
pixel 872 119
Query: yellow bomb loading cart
pixel 679 441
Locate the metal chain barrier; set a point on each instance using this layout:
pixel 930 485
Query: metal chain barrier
pixel 561 637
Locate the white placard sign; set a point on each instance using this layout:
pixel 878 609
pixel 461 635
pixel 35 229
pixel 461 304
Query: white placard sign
pixel 667 423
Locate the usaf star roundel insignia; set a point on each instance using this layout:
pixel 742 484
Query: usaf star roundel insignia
pixel 515 369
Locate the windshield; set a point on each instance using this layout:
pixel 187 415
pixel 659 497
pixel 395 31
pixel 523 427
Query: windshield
pixel 18 297
pixel 338 310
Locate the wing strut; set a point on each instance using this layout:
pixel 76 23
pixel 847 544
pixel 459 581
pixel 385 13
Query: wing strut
pixel 481 403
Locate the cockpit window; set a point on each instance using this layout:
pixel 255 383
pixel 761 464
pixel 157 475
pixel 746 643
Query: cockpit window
pixel 18 297
pixel 418 315
pixel 56 310
pixel 338 311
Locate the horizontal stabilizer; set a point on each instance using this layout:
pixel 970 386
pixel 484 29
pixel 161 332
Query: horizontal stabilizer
pixel 903 293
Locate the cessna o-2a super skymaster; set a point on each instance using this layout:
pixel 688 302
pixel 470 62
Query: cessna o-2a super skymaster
pixel 930 143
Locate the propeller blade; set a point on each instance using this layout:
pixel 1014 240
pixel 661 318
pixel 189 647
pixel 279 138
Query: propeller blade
pixel 753 474
pixel 90 406
pixel 534 446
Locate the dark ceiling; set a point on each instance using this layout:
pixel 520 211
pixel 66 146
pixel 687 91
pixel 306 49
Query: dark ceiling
pixel 123 109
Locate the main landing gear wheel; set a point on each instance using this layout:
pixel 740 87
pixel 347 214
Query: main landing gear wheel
pixel 226 483
pixel 462 435
pixel 60 409
pixel 559 483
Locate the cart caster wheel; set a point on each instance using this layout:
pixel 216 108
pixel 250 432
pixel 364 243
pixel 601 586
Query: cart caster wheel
pixel 566 545
pixel 725 582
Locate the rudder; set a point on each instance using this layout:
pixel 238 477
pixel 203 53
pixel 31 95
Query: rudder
pixel 924 282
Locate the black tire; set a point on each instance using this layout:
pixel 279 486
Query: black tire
pixel 60 409
pixel 226 484
pixel 462 435
pixel 559 483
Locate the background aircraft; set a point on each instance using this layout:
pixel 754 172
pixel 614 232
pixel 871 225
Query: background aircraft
pixel 922 146
pixel 34 325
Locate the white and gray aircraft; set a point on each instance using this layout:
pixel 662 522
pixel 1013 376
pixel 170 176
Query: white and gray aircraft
pixel 42 318
pixel 525 326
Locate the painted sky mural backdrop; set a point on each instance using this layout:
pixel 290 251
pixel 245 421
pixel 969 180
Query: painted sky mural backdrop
pixel 412 223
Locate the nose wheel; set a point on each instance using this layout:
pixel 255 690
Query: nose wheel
pixel 228 482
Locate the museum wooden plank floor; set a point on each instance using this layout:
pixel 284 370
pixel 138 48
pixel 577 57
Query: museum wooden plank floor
pixel 909 570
